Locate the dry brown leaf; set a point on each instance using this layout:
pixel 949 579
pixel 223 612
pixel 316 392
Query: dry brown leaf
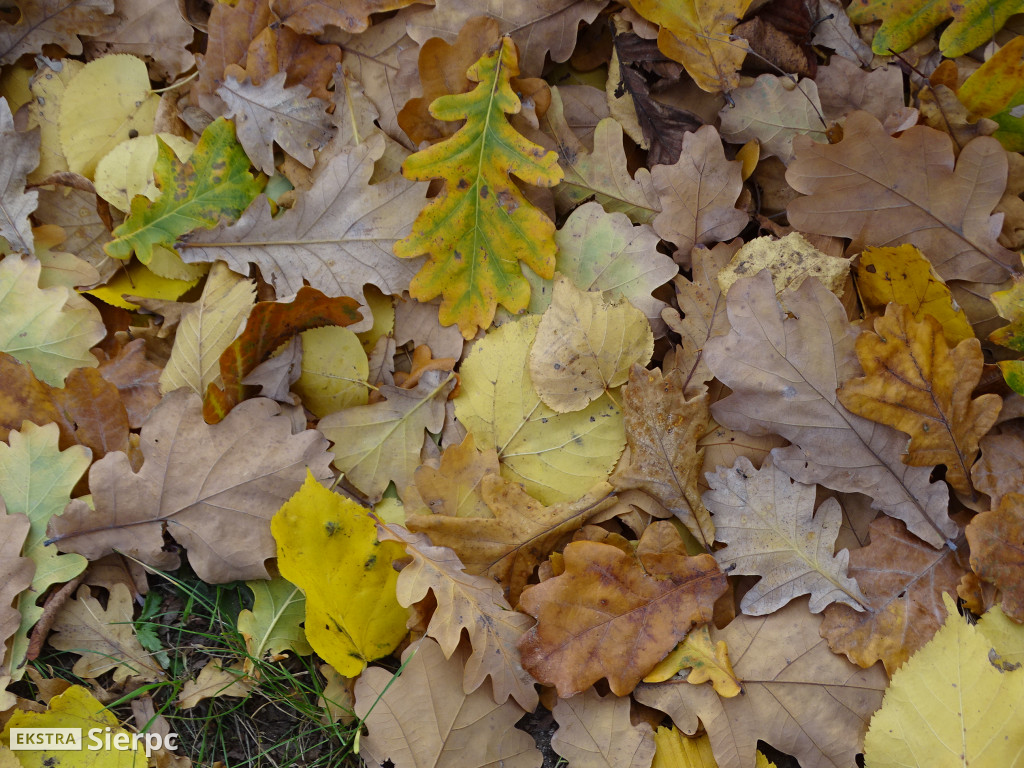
pixel 305 61
pixel 698 194
pixel 151 29
pixel 229 31
pixel 884 191
pixel 16 574
pixel 454 488
pixel 607 601
pixel 784 373
pixel 790 259
pixel 595 731
pixel 249 465
pixel 53 22
pixel 773 110
pixel 772 530
pixel 215 679
pixel 521 534
pixel 136 378
pixel 844 87
pixel 903 580
pixel 312 18
pixel 920 386
pixel 834 30
pixel 18 160
pixel 471 603
pixel 424 719
pixel 104 637
pixel 996 551
pixel 418 322
pixel 799 696
pixel 662 430
pixel 1000 470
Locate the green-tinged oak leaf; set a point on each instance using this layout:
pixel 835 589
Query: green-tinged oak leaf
pixel 213 488
pixel 949 705
pixel 214 183
pixel 478 229
pixel 1010 306
pixel 75 708
pixel 706 660
pixel 996 90
pixel 206 329
pixel 36 479
pixel 274 625
pixel 334 370
pixel 698 34
pixel 216 678
pixel 51 329
pixel 127 170
pixel 556 456
pixel 903 275
pixel 904 22
pixel 585 346
pixel 352 612
pixel 269 325
pixel 380 443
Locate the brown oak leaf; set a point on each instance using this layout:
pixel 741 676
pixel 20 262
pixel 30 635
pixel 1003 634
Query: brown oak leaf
pixel 997 551
pixel 454 488
pixel 595 731
pixel 1000 470
pixel 311 17
pixel 52 22
pixel 920 386
pixel 606 601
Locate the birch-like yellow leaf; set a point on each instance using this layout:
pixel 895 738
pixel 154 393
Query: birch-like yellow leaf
pixel 327 546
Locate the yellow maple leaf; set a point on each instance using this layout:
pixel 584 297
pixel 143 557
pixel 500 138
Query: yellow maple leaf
pixel 480 226
pixel 352 612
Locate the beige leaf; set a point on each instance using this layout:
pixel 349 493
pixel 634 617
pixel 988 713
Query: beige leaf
pixel 214 487
pixel 206 329
pixel 834 30
pixel 17 571
pixel 21 154
pixel 771 530
pixel 151 29
pixel 215 679
pixel 104 638
pixel 586 346
pixel 698 194
pixel 596 732
pixel 423 718
pixel 1001 466
pixel 844 88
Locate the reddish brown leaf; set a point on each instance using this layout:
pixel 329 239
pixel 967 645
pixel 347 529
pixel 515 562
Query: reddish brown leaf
pixel 997 551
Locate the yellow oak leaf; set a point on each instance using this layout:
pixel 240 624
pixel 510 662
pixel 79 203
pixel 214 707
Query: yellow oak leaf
pixel 352 613
pixel 917 384
pixel 706 660
pixel 480 226
pixel 697 33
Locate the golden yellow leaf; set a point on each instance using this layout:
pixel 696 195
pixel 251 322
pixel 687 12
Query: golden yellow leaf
pixel 902 274
pixel 352 613
pixel 706 660
pixel 673 750
pixel 127 170
pixel 586 346
pixel 47 87
pixel 917 384
pixel 454 488
pixel 138 280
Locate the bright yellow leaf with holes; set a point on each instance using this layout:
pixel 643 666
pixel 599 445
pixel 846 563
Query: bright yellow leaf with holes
pixel 327 546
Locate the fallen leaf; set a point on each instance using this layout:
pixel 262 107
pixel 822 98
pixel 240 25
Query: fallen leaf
pixel 706 661
pixel 903 581
pixel 920 386
pixel 585 346
pixel 995 538
pixel 843 87
pixel 834 30
pixel 15 203
pixel 423 717
pixel 1000 467
pixel 47 86
pixel 519 535
pixel 949 704
pixel 52 22
pixel 380 443
pixel 17 572
pixel 274 625
pixel 697 34
pixel 673 750
pixel 607 600
pixel 698 194
pixel 771 530
pixel 884 191
pixel 352 613
pixel 773 110
pixel 454 488
pixel 104 638
pixel 466 603
pixel 790 259
pixel 799 696
pixel 333 370
pixel 480 226
pixel 348 15
pixel 784 374
pixel 498 405
pixel 147 28
pixel 269 113
pixel 595 731
pixel 214 679
pixel 662 429
pixel 127 169
pixel 251 463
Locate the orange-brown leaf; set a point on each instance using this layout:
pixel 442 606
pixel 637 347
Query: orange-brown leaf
pixel 917 384
pixel 454 489
pixel 997 551
pixel 610 616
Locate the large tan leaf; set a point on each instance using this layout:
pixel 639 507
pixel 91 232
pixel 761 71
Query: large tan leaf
pixel 424 720
pixel 521 534
pixel 784 373
pixel 903 580
pixel 772 530
pixel 537 28
pixel 214 488
pixel 380 443
pixel 312 18
pixel 21 155
pixel 595 731
pixel 52 22
pixel 338 237
pixel 698 194
pixel 607 601
pixel 474 604
pixel 995 538
pixel 662 430
pixel 148 28
pixel 884 191
pixel 585 346
pixel 917 384
pixel 799 696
